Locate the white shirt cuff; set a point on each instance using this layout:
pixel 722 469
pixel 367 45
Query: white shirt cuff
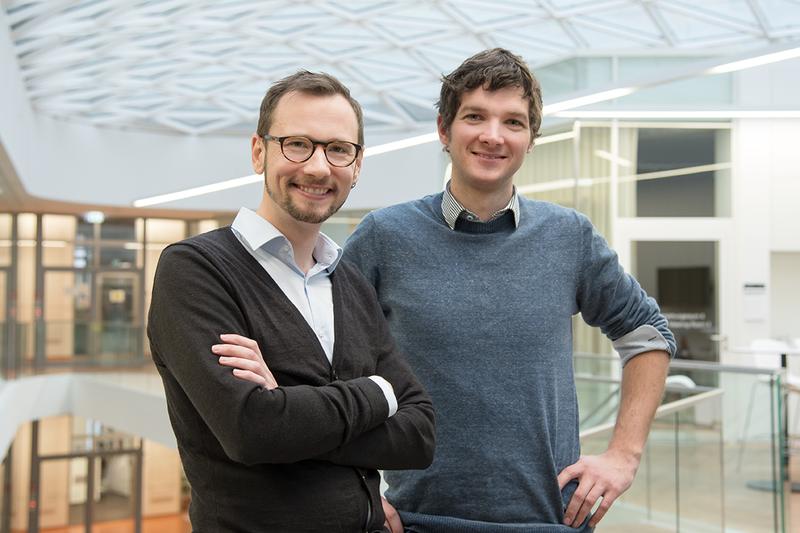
pixel 388 391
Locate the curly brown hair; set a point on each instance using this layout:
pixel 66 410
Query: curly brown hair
pixel 492 69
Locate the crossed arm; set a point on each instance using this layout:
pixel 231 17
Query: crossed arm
pixel 395 444
pixel 191 301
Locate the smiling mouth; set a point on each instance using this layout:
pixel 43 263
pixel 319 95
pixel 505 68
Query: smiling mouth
pixel 490 157
pixel 314 191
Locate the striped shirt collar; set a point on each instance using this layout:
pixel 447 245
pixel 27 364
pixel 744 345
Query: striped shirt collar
pixel 452 209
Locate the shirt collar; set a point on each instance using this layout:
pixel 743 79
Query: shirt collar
pixel 259 234
pixel 452 208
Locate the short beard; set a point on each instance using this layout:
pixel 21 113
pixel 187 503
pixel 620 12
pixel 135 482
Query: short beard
pixel 295 212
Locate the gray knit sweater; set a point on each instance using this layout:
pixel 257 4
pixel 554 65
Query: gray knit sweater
pixel 484 316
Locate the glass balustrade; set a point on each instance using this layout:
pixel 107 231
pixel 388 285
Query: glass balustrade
pixel 715 459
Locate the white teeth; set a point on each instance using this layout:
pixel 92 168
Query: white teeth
pixel 312 190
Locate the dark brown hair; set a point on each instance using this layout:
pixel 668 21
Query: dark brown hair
pixel 313 83
pixel 493 70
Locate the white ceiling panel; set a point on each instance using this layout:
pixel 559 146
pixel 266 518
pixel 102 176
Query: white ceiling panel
pixel 200 67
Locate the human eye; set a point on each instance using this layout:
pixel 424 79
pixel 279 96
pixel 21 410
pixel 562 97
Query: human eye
pixel 296 143
pixel 516 123
pixel 472 117
pixel 340 148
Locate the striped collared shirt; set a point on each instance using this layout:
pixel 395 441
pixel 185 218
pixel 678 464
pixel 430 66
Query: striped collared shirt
pixel 452 209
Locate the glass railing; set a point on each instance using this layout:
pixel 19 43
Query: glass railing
pixel 715 459
pixel 70 344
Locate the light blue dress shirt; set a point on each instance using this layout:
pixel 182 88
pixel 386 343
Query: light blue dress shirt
pixel 311 292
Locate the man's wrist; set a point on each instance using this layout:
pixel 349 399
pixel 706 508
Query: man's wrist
pixel 630 454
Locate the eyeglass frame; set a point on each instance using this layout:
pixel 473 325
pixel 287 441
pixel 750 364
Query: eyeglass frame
pixel 314 145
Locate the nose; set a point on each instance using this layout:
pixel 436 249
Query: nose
pixel 491 134
pixel 317 164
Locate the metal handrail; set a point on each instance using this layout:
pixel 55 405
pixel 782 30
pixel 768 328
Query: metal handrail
pixel 689 364
pixel 665 409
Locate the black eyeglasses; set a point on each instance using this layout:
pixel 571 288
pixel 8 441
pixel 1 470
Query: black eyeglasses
pixel 300 149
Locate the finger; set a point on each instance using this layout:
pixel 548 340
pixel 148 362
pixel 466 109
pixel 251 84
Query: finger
pixel 243 364
pixel 568 474
pixel 392 518
pixel 587 505
pixel 575 503
pixel 602 509
pixel 249 376
pixel 233 338
pixel 232 350
pixel 395 524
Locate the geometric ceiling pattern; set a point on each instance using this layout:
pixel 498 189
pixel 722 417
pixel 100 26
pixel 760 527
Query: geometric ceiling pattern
pixel 201 67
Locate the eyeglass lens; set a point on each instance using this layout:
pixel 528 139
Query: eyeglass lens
pixel 300 149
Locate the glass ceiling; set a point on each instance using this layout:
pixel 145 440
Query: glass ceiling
pixel 201 67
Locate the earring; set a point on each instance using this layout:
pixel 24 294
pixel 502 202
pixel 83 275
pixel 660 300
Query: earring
pixel 446 148
pixel 353 186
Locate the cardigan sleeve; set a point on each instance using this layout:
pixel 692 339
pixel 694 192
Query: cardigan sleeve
pixel 192 304
pixel 407 439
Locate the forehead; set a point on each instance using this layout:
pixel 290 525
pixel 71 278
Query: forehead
pixel 505 100
pixel 328 117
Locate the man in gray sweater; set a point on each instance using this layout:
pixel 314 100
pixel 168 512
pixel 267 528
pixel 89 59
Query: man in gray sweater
pixel 479 286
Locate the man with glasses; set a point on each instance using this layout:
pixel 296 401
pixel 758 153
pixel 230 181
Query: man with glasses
pixel 480 286
pixel 293 446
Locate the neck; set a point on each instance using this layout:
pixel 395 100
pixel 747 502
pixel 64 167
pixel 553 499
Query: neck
pixel 302 235
pixel 483 203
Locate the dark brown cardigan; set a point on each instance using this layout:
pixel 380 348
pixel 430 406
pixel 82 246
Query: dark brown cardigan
pixel 302 457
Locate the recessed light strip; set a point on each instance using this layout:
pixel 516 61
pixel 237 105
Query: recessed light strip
pixel 589 99
pixel 678 114
pixel 757 61
pixel 401 144
pixel 198 191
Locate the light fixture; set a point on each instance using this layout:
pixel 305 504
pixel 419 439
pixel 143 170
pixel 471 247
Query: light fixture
pixel 402 143
pixel 679 114
pixel 608 156
pixel 94 217
pixel 757 61
pixel 594 98
pixel 198 191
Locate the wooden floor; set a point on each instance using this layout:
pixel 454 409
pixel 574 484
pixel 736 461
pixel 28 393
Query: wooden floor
pixel 180 524
pixel 164 524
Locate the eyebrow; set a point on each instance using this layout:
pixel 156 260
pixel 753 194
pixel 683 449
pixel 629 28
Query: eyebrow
pixel 473 109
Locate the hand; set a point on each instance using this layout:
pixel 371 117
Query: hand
pixel 245 357
pixel 393 521
pixel 603 476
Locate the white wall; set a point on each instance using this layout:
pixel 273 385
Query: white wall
pixel 752 147
pixel 785 296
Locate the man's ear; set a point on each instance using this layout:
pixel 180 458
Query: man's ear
pixel 444 134
pixel 258 153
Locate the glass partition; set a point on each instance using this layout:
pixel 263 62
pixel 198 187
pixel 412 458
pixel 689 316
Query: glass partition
pixel 715 458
